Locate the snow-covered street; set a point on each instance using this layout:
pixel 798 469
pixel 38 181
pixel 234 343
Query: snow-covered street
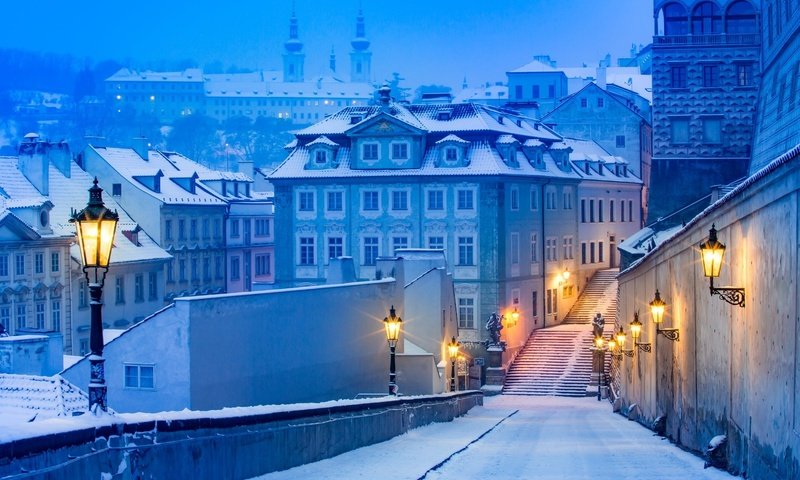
pixel 515 437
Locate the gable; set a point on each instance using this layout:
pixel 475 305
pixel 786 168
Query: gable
pixel 13 229
pixel 384 124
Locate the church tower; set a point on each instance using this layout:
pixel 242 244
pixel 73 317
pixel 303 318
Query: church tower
pixel 360 57
pixel 294 57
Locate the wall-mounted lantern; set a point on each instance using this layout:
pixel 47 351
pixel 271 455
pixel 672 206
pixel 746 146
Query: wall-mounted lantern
pixel 711 253
pixel 657 308
pixel 621 337
pixel 636 332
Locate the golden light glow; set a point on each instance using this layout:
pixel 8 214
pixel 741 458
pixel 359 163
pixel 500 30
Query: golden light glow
pixel 452 349
pixel 620 336
pixel 636 327
pixel 513 318
pixel 612 344
pixel 657 307
pixel 599 341
pixel 95 226
pixel 711 254
pixel 565 275
pixel 393 325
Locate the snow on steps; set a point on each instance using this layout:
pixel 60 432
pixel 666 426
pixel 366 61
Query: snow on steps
pixel 558 360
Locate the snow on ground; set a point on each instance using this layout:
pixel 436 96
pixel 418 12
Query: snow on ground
pixel 515 437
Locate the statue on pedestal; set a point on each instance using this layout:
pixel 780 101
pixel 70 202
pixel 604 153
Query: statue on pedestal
pixel 494 324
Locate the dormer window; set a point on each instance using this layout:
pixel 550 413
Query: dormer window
pixel 451 154
pixel 321 156
pixel 444 114
pixel 400 151
pixel 355 119
pixel 369 151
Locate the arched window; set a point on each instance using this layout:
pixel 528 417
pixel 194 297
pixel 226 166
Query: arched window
pixel 676 20
pixel 740 18
pixel 706 19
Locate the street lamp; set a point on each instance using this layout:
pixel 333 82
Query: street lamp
pixel 96 226
pixel 599 345
pixel 452 349
pixel 657 307
pixel 621 337
pixel 392 324
pixel 636 331
pixel 711 253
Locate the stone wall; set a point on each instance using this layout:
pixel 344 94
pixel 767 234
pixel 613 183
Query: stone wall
pixel 733 371
pixel 242 446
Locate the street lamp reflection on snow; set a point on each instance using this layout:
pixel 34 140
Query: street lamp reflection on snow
pixel 452 349
pixel 95 226
pixel 393 324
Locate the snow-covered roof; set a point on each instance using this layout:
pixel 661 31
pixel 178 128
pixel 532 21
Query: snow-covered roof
pixel 16 191
pixel 30 396
pixel 323 140
pixel 536 66
pixel 482 94
pixel 128 75
pixel 452 138
pixel 626 77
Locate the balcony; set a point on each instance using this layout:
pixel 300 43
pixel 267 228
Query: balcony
pixel 718 39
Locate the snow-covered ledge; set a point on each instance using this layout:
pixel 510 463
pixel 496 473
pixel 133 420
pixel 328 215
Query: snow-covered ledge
pixel 239 442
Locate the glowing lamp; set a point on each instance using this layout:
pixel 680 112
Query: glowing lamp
pixel 636 327
pixel 711 253
pixel 657 307
pixel 393 325
pixel 95 226
pixel 452 349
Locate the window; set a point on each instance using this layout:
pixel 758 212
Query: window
pixel 622 210
pixel 119 284
pixel 600 102
pixel 591 252
pixel 22 315
pixel 611 211
pixel 600 252
pixel 630 210
pixel 320 156
pixel 306 201
pixel 620 141
pixel 3 265
pixel 551 249
pixel 583 210
pixel 552 301
pixel 534 248
pixel 678 76
pixel 435 200
pixel 567 196
pixel 567 252
pixel 181 229
pixel 168 229
pixel 262 227
pixel 398 243
pixel 116 189
pixel 465 200
pixel 675 20
pixel 706 19
pixel 218 267
pixel 518 91
pixel 451 154
pixel 152 286
pixel 206 268
pixel 54 262
pixel 600 211
pixel 55 315
pixel 262 264
pixel 335 247
pixel 466 312
pixel 679 130
pixel 306 250
pixel 5 316
pixel 400 151
pixel 369 151
pixel 20 264
pixel 551 91
pixel 466 246
pixel 182 270
pixel 206 228
pixel 234 227
pixel 138 287
pixel 534 198
pixel 369 201
pixel 195 269
pixel 583 253
pixel 436 243
pixel 535 91
pixel 334 201
pixel 711 75
pixel 399 200
pixel 514 198
pixel 741 18
pixel 712 130
pixel 550 199
pixel 584 102
pixel 84 346
pixel 591 211
pixel 744 75
pixel 370 250
pixel 514 248
pixel 217 228
pixel 39 315
pixel 171 271
pixel 235 263
pixel 139 376
pixel 38 262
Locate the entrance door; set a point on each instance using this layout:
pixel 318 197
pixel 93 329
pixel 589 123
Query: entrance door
pixel 612 251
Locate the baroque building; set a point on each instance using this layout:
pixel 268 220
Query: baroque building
pixel 286 94
pixel 706 74
pixel 498 192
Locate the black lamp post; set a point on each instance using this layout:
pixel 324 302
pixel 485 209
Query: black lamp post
pixel 96 226
pixel 599 345
pixel 452 349
pixel 392 324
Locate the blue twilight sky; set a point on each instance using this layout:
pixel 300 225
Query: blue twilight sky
pixel 427 41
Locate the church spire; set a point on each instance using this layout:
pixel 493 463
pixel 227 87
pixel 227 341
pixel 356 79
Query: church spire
pixel 293 57
pixel 293 44
pixel 332 61
pixel 360 56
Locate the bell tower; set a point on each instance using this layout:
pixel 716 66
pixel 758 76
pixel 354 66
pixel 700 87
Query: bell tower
pixel 293 57
pixel 360 56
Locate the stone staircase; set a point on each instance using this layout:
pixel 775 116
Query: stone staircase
pixel 558 360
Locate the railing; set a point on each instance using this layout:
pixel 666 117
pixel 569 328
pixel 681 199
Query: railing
pixel 718 39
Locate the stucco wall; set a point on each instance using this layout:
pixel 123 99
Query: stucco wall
pixel 733 371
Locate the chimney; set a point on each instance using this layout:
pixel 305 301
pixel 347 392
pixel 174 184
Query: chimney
pixel 341 270
pixel 384 96
pixel 33 162
pixel 141 147
pixel 601 77
pixel 245 165
pixel 61 158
